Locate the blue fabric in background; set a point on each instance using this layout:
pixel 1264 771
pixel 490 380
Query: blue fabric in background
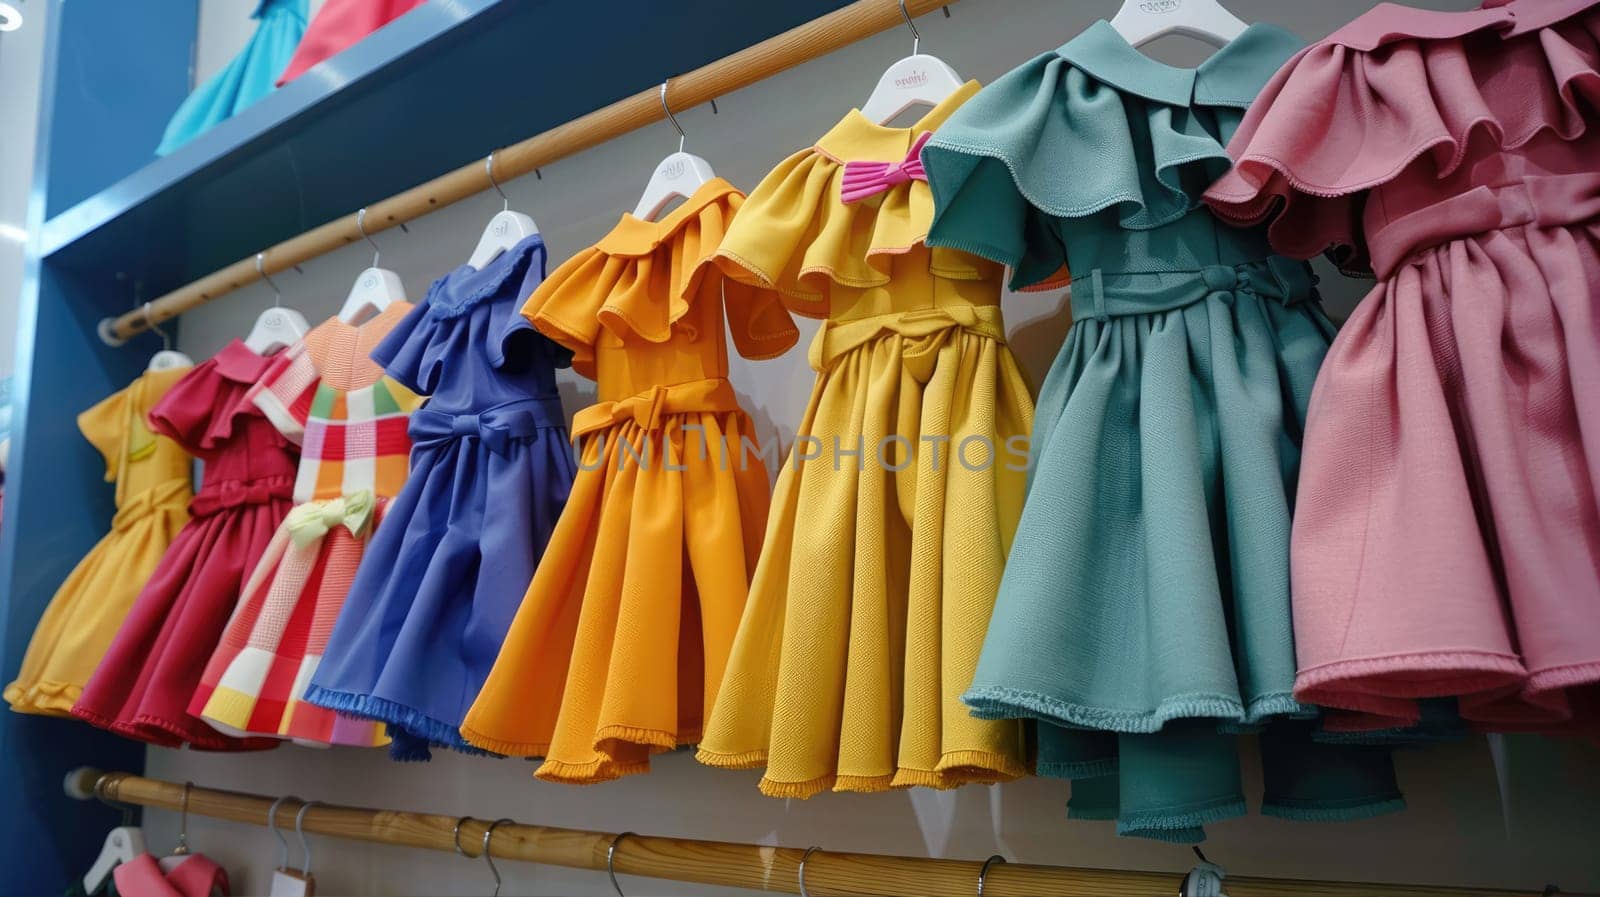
pixel 249 77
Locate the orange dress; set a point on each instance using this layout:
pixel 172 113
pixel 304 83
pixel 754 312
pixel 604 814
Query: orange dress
pixel 619 646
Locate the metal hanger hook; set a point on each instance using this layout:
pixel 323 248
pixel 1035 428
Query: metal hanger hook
pixel 488 833
pixel 682 137
pixel 166 343
pixel 455 835
pixel 802 871
pixel 488 167
pixel 916 36
pixel 183 808
pixel 277 294
pixel 272 826
pixel 983 874
pixel 611 858
pixel 361 225
pixel 300 832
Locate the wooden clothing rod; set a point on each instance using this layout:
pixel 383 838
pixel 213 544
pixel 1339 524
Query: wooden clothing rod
pixel 798 45
pixel 752 866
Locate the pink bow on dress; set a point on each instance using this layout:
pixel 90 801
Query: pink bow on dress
pixel 864 179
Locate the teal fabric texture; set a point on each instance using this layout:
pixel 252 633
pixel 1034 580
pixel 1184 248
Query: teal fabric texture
pixel 247 78
pixel 1144 616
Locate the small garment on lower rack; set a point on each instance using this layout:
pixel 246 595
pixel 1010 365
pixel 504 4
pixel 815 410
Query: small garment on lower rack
pixel 490 471
pixel 153 491
pixel 143 686
pixel 893 516
pixel 1144 617
pixel 619 646
pixel 326 395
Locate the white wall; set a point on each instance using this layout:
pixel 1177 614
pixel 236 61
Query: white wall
pixel 1457 831
pixel 21 64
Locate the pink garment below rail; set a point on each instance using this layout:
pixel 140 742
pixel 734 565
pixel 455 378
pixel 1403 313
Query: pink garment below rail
pixel 340 25
pixel 1447 528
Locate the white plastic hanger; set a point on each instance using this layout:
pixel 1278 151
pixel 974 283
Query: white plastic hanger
pixel 1204 880
pixel 917 80
pixel 376 288
pixel 678 175
pixel 123 844
pixel 1142 21
pixel 277 327
pixel 168 358
pixel 506 229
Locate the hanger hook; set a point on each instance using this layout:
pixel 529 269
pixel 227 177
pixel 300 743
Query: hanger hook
pixel 183 808
pixel 983 874
pixel 166 343
pixel 611 857
pixel 455 835
pixel 802 871
pixel 300 832
pixel 488 167
pixel 272 826
pixel 488 833
pixel 361 225
pixel 916 36
pixel 277 294
pixel 682 137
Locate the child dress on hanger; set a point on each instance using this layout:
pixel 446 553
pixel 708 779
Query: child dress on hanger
pixel 490 471
pixel 151 473
pixel 325 395
pixel 617 650
pixel 1447 539
pixel 1144 615
pixel 143 686
pixel 893 518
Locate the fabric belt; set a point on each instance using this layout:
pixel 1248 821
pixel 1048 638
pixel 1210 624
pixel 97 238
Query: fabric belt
pixel 496 426
pixel 1543 200
pixel 650 408
pixel 212 500
pixel 1104 295
pixel 172 495
pixel 925 332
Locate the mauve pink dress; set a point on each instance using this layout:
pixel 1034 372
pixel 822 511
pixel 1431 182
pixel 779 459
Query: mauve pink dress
pixel 1446 539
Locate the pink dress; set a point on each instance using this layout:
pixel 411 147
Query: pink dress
pixel 1447 533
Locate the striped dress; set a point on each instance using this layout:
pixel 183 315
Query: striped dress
pixel 350 421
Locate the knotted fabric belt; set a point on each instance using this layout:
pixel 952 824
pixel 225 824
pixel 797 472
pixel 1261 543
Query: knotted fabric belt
pixel 169 496
pixel 236 495
pixel 496 426
pixel 651 408
pixel 925 332
pixel 309 522
pixel 1104 295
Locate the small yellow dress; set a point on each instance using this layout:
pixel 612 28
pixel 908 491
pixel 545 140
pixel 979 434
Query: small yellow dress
pixel 621 641
pixel 892 519
pixel 152 494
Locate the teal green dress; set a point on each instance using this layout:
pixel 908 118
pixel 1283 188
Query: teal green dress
pixel 247 77
pixel 1144 614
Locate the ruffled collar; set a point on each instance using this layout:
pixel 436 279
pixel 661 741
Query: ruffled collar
pixel 236 362
pixel 857 138
pixel 1390 22
pixel 635 237
pixel 466 286
pixel 1232 76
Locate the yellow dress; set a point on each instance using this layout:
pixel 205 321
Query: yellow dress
pixel 618 647
pixel 152 494
pixel 893 517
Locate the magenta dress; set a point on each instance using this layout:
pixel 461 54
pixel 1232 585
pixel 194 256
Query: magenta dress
pixel 1446 539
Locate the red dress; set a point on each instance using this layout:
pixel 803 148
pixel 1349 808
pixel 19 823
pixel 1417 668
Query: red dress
pixel 143 686
pixel 339 25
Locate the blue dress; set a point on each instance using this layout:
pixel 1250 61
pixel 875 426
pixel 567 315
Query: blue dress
pixel 249 77
pixel 442 579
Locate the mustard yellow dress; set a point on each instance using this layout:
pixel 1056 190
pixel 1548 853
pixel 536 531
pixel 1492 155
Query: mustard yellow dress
pixel 621 641
pixel 152 493
pixel 892 519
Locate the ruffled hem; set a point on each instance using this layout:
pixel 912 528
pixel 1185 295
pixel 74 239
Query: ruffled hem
pixel 44 698
pixel 1083 769
pixel 1001 702
pixel 502 747
pixel 1306 186
pixel 396 715
pixel 1178 826
pixel 1351 810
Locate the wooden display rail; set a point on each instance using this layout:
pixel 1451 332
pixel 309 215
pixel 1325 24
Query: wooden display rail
pixel 829 873
pixel 794 47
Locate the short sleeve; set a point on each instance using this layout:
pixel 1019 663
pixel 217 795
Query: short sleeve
pixel 566 306
pixel 759 323
pixel 407 353
pixel 105 426
pixel 516 343
pixel 285 392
